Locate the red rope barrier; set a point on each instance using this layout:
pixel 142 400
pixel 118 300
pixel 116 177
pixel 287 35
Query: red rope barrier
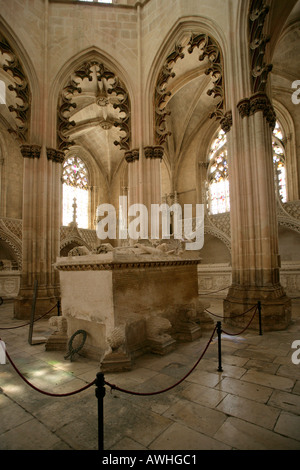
pixel 215 292
pixel 237 334
pixel 233 316
pixel 43 391
pixel 26 324
pixel 114 387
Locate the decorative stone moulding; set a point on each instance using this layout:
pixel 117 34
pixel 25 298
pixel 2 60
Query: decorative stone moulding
pixel 15 70
pixel 210 50
pixel 258 102
pixel 31 151
pixel 55 155
pixel 154 152
pixel 115 93
pixel 132 155
pixel 257 43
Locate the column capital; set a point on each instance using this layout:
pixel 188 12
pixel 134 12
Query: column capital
pixel 226 122
pixel 155 151
pixel 132 155
pixel 55 155
pixel 31 150
pixel 258 102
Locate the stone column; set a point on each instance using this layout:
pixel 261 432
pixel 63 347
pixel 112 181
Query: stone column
pixel 202 177
pixel 41 228
pixel 255 258
pixel 144 180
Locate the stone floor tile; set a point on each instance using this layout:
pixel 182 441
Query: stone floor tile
pixel 234 360
pixel 178 436
pixel 12 415
pixel 127 444
pixel 249 410
pixel 296 388
pixel 285 401
pixel 262 366
pixel 195 416
pixel 290 370
pixel 245 389
pixel 125 419
pixel 242 435
pixel 269 380
pixel 30 435
pixel 203 395
pixel 256 354
pixel 202 377
pixel 289 425
pixel 79 434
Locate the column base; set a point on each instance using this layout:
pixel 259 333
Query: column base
pixel 45 301
pixel 276 309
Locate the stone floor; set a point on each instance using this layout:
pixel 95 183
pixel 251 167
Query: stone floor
pixel 253 404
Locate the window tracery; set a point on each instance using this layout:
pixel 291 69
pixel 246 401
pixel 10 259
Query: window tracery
pixel 217 174
pixel 75 192
pixel 218 182
pixel 279 161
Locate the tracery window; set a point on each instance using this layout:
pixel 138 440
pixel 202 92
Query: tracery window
pixel 218 182
pixel 279 161
pixel 75 191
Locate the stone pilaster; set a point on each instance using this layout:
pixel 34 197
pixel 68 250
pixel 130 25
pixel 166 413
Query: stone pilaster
pixel 41 229
pixel 255 258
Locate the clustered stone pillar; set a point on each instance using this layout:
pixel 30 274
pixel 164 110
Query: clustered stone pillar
pixel 255 258
pixel 144 177
pixel 41 229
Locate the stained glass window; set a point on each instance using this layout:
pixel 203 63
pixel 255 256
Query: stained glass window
pixel 279 161
pixel 218 183
pixel 75 191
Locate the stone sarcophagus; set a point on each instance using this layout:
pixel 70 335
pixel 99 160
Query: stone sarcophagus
pixel 130 301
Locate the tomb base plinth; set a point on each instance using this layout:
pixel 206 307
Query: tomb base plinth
pixel 128 303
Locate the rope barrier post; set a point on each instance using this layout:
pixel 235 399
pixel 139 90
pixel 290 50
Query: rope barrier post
pixel 100 394
pixel 259 316
pixel 58 308
pixel 219 331
pixel 32 312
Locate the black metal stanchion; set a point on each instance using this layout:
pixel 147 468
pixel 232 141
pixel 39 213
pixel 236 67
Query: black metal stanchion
pixel 58 308
pixel 100 394
pixel 259 316
pixel 35 287
pixel 219 331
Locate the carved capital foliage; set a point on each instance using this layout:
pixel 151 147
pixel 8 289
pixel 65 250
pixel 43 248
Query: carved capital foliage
pixel 258 102
pixel 257 44
pixel 20 87
pixel 116 94
pixel 55 155
pixel 154 152
pixel 226 122
pixel 30 151
pixel 208 49
pixel 132 155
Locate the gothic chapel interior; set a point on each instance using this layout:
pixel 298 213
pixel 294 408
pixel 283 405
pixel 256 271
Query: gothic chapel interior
pixel 186 101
